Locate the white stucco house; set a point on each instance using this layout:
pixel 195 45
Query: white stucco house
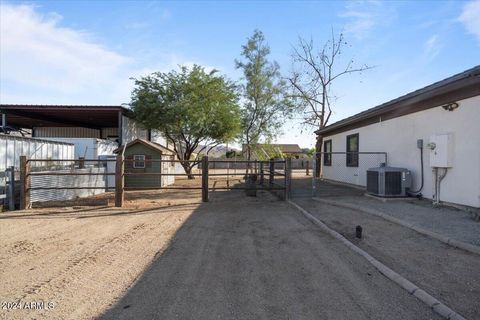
pixel 444 116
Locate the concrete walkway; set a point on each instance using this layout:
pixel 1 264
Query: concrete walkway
pixel 446 221
pixel 450 222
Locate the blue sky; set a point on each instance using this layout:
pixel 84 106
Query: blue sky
pixel 84 52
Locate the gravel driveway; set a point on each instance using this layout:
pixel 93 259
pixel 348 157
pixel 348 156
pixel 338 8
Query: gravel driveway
pixel 258 258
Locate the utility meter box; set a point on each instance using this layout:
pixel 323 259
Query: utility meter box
pixel 441 150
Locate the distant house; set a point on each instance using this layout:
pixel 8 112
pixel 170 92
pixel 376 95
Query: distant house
pixel 142 156
pixel 267 151
pixel 442 118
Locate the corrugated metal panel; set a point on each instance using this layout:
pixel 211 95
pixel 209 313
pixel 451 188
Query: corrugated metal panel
pixel 66 132
pixel 12 147
pixel 68 181
pixel 109 132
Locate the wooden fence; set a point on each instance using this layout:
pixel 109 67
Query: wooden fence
pixel 266 175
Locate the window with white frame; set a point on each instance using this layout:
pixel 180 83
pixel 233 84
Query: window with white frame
pixel 139 161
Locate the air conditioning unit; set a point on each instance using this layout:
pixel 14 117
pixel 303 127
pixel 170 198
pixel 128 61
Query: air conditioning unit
pixel 388 181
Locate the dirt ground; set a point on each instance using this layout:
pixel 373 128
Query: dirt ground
pixel 258 258
pixel 81 259
pixel 449 274
pixel 167 255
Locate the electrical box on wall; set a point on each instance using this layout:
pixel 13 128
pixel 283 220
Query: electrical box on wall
pixel 441 150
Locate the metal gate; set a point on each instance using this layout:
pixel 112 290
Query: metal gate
pixel 7 188
pixel 338 170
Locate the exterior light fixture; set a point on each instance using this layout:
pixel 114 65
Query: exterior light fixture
pixel 451 106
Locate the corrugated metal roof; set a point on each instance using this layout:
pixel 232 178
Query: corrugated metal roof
pixel 88 116
pixel 71 106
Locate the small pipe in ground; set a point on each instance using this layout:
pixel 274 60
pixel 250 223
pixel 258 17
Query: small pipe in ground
pixel 358 232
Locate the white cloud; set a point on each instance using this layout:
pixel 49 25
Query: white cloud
pixel 37 55
pixel 362 17
pixel 431 47
pixel 45 63
pixel 470 18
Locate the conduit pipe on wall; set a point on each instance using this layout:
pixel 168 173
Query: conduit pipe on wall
pixel 438 179
pixel 417 192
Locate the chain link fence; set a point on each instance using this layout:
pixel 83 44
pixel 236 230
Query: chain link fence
pixel 349 168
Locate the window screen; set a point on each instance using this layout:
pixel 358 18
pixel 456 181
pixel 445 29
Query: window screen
pixel 139 161
pixel 352 150
pixel 327 157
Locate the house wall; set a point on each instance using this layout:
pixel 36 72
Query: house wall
pixel 157 137
pixel 398 137
pixel 131 130
pixel 90 148
pixel 74 132
pixel 66 132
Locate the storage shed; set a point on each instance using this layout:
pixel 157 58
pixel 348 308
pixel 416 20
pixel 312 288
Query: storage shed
pixel 144 156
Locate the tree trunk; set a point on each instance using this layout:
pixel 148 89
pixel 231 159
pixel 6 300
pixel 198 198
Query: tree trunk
pixel 249 156
pixel 188 170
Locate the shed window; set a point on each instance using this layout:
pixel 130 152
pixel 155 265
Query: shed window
pixel 139 161
pixel 327 157
pixel 352 150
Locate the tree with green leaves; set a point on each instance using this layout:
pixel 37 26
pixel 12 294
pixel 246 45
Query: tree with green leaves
pixel 191 107
pixel 265 104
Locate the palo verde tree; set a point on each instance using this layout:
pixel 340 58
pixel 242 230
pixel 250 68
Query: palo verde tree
pixel 311 81
pixel 265 105
pixel 191 107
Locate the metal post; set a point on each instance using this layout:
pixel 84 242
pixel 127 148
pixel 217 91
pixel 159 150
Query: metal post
pixel 271 173
pixel 261 173
pixel 288 178
pixel 119 181
pixel 120 128
pixel 25 183
pixel 205 179
pixel 11 188
pixel 314 182
pixel 308 168
pixel 81 162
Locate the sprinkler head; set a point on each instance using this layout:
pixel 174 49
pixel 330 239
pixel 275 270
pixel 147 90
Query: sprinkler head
pixel 358 232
